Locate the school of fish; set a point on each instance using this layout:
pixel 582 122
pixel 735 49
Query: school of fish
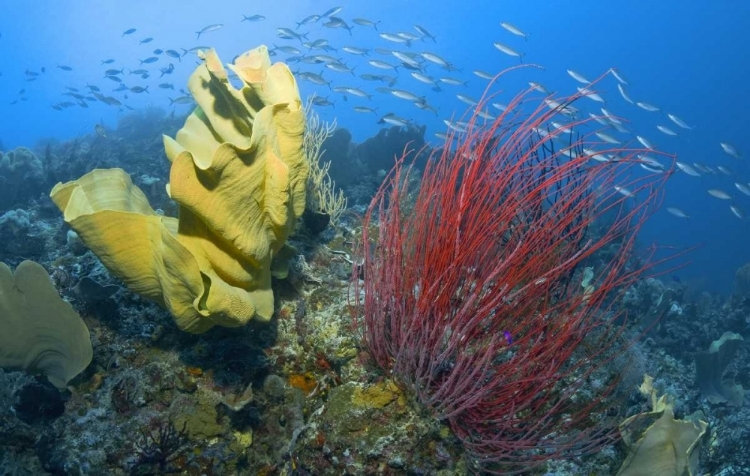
pixel 394 69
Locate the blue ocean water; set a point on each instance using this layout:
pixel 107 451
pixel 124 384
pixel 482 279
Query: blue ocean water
pixel 686 58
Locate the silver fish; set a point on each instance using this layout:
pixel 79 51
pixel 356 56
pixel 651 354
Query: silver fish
pixel 737 211
pixel 400 93
pixel 718 193
pixel 677 212
pixel 624 94
pixel 209 29
pixel 688 169
pixel 645 142
pixel 381 64
pixel 425 34
pixel 433 58
pixel 590 94
pixel 666 130
pixel 743 188
pixel 467 100
pixel 355 51
pixel 618 76
pixel 646 106
pixel 507 50
pixel 678 121
pixel 366 22
pixel 513 29
pixel 578 77
pixel 393 38
pixel 729 149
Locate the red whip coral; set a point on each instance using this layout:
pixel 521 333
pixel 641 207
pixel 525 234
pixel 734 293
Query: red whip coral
pixel 472 296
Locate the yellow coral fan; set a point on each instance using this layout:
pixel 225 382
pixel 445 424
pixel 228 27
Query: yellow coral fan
pixel 238 175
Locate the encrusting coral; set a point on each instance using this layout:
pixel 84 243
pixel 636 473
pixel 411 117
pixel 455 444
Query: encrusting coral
pixel 238 175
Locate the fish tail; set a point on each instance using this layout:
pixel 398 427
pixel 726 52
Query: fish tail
pixel 199 35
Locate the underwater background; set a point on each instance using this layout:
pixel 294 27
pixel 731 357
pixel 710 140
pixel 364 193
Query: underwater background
pixel 688 59
pixel 684 57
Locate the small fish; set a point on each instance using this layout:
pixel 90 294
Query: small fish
pixel 729 149
pixel 578 77
pixel 624 191
pixel 114 72
pixel 507 50
pixel 108 61
pixel 482 74
pixel 433 58
pixel 306 20
pixel 618 76
pixel 678 121
pixel 252 18
pixel 173 54
pixel 394 120
pixel 129 31
pixel 355 51
pixel 590 94
pixel 666 130
pixel 401 94
pixel 737 211
pixel 31 73
pixel 64 68
pixel 647 107
pixel 677 212
pixel 366 22
pixel 166 86
pixel 181 100
pixel 645 142
pixel 158 51
pixel 624 94
pixel 607 138
pixel 149 60
pixel 467 100
pixel 425 34
pixel 514 30
pixel 381 64
pixel 335 22
pixel 422 78
pixel 364 109
pixel 718 193
pixel 688 169
pixel 209 29
pixel 724 170
pixel 139 89
pixel 393 38
pixel 743 188
pixel 538 87
pixel 455 125
pixel 289 50
pixel 100 131
pixel 453 81
pixel 331 12
pixel 146 40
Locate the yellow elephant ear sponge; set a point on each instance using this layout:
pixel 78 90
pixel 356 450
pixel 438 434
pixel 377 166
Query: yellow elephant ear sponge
pixel 238 176
pixel 41 333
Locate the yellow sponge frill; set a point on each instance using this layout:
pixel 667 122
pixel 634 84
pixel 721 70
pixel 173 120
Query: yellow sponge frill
pixel 238 176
